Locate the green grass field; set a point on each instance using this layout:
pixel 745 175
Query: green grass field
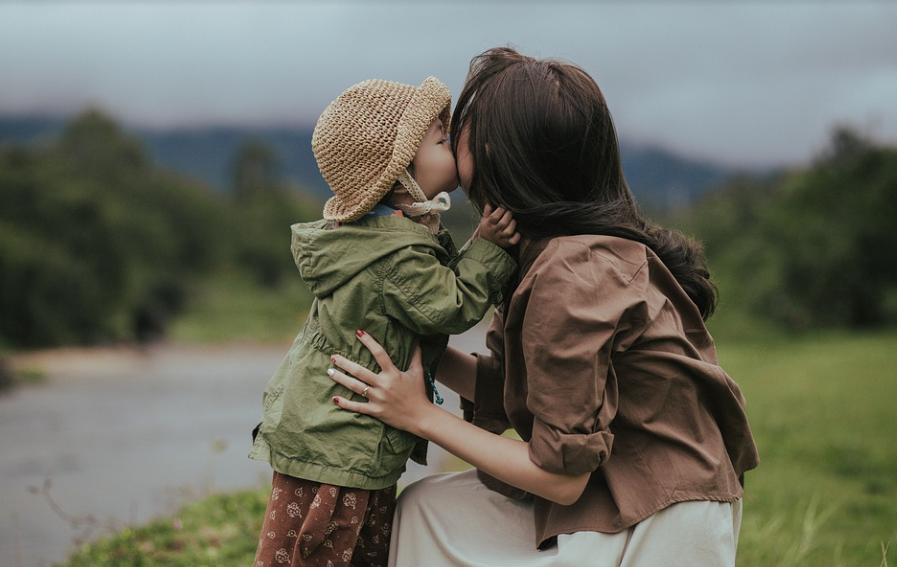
pixel 822 407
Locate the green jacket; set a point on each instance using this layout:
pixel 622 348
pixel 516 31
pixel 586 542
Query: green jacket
pixel 390 277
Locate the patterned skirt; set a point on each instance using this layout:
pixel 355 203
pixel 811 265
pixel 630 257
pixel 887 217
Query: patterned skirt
pixel 310 524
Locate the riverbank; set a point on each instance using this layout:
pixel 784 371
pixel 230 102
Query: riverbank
pixel 114 437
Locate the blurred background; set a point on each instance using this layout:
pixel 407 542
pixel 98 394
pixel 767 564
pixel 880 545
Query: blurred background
pixel 154 154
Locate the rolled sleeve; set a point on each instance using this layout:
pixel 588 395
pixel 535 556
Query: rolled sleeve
pixel 568 453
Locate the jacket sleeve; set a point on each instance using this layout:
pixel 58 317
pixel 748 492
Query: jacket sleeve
pixel 578 302
pixel 429 298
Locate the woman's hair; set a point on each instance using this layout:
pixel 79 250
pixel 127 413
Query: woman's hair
pixel 544 147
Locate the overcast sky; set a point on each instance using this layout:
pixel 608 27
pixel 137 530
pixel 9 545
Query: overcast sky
pixel 743 83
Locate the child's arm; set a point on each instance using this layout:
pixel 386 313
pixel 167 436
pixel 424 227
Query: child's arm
pixel 428 297
pixel 498 227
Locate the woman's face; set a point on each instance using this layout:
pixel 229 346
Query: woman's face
pixel 465 161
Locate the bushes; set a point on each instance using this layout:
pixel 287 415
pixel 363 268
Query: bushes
pixel 813 247
pixel 96 244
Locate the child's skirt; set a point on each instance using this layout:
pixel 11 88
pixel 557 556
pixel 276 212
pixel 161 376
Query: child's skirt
pixel 309 524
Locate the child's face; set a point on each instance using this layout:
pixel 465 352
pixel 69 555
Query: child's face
pixel 434 163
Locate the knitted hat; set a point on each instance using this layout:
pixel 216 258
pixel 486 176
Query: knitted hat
pixel 368 136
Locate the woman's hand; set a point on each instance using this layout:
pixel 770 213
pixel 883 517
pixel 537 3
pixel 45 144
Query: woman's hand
pixel 399 399
pixel 394 397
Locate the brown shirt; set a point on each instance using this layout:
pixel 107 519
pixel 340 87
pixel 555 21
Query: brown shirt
pixel 603 364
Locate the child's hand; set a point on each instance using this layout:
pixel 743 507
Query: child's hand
pixel 498 227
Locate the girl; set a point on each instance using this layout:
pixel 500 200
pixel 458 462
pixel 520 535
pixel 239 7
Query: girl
pixel 633 441
pixel 381 260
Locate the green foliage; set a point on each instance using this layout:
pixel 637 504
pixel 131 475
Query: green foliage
pixel 267 208
pixel 264 247
pixel 219 531
pixel 810 248
pixel 821 410
pixel 96 244
pixel 232 306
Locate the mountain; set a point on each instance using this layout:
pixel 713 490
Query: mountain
pixel 658 177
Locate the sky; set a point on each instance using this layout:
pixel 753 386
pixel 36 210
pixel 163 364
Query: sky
pixel 742 83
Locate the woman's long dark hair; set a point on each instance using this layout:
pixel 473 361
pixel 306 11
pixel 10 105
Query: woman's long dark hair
pixel 544 147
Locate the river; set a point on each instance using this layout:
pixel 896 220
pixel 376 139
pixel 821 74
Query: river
pixel 115 437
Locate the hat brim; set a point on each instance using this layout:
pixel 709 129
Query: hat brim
pixel 430 101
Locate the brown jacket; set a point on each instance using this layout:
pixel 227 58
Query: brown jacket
pixel 602 363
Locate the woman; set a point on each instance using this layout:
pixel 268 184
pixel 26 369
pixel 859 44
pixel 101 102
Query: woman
pixel 633 441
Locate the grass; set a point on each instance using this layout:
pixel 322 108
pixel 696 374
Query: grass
pixel 821 405
pixel 231 308
pixel 822 411
pixel 219 531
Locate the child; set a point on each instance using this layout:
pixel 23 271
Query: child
pixel 379 261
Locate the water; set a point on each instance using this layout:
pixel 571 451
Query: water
pixel 117 437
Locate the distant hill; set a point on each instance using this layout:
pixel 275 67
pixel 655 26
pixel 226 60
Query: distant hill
pixel 658 177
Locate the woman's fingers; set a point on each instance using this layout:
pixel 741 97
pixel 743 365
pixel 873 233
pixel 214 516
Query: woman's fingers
pixel 353 384
pixel 380 354
pixel 357 407
pixel 361 374
pixel 395 397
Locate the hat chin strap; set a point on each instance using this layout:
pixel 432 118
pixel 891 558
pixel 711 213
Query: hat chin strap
pixel 425 211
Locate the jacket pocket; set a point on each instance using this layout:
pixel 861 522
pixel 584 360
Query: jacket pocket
pixel 399 441
pixel 272 396
pixel 395 449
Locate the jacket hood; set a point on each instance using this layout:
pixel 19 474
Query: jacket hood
pixel 327 257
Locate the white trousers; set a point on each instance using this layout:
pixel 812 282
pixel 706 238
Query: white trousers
pixel 453 520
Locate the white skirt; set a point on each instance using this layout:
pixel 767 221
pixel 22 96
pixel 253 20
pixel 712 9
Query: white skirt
pixel 453 520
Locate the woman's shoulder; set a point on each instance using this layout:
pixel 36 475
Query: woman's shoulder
pixel 590 251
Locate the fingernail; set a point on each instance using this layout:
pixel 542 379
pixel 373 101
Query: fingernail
pixel 333 359
pixel 359 333
pixel 330 371
pixel 335 400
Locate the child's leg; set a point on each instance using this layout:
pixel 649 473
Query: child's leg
pixel 308 524
pixel 372 549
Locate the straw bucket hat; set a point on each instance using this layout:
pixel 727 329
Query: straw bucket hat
pixel 368 136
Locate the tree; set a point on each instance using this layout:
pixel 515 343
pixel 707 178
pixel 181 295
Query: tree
pixel 811 247
pixel 255 170
pixel 92 235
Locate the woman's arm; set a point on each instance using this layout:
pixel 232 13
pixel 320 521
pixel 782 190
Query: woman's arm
pixel 399 399
pixel 458 371
pixel 501 457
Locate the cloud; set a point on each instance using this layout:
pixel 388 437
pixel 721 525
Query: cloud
pixel 750 83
